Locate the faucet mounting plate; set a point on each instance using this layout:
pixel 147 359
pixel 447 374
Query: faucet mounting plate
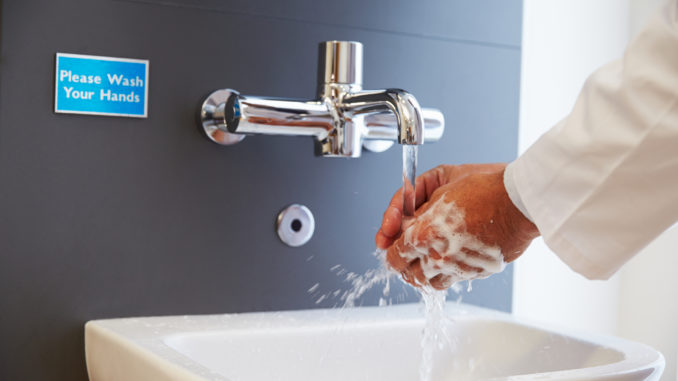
pixel 212 117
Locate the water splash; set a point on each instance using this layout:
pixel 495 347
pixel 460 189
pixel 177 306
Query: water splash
pixel 358 285
pixel 362 283
pixel 435 335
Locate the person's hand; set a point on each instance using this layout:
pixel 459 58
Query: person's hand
pixel 465 227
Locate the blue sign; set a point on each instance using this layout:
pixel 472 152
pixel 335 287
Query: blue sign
pixel 101 86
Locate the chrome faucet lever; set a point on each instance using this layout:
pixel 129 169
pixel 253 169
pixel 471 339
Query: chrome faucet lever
pixel 342 119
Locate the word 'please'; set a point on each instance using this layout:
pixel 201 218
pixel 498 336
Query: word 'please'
pixel 113 79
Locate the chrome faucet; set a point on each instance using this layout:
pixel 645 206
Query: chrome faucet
pixel 342 119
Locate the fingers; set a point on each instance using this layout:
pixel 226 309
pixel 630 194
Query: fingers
pixel 421 195
pixel 441 282
pixel 426 184
pixel 390 224
pixel 383 241
pixel 394 257
pixel 392 221
pixel 414 274
pixel 463 266
pixel 412 271
pixel 430 181
pixel 476 254
pixel 418 273
pixel 397 201
pixel 469 187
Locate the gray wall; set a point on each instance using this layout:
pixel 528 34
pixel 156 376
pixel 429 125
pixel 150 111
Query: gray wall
pixel 110 217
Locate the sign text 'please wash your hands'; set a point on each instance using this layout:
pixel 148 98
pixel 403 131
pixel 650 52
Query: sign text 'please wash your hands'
pixel 101 85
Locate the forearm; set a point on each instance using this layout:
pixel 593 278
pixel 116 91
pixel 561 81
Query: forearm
pixel 604 182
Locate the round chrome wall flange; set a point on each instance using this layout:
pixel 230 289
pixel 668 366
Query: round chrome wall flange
pixel 295 225
pixel 213 118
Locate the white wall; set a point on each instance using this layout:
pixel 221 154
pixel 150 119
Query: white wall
pixel 648 305
pixel 563 42
pixel 648 297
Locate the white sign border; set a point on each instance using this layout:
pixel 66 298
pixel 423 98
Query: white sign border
pixel 100 58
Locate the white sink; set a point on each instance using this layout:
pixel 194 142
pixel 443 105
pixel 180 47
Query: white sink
pixel 354 344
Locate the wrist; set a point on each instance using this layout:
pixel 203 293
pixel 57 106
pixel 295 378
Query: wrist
pixel 520 228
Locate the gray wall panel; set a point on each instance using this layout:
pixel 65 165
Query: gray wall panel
pixel 490 22
pixel 110 217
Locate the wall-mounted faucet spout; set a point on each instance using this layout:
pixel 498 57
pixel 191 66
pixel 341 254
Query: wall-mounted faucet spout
pixel 405 108
pixel 341 119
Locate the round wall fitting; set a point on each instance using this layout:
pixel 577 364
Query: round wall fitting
pixel 295 225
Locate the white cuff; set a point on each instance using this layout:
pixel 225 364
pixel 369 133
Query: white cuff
pixel 513 194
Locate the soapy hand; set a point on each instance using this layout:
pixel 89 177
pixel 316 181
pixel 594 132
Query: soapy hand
pixel 465 227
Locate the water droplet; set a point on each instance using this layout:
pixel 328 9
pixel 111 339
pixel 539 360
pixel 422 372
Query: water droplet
pixel 313 288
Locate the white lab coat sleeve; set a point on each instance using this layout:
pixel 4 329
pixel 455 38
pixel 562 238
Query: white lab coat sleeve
pixel 603 183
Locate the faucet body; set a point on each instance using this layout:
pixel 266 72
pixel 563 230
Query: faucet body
pixel 341 119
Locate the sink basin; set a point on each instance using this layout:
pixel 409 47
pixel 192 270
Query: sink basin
pixel 366 343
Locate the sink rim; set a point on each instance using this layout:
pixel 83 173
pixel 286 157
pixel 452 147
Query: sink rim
pixel 149 339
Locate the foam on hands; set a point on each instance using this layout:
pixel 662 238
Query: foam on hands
pixel 443 246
